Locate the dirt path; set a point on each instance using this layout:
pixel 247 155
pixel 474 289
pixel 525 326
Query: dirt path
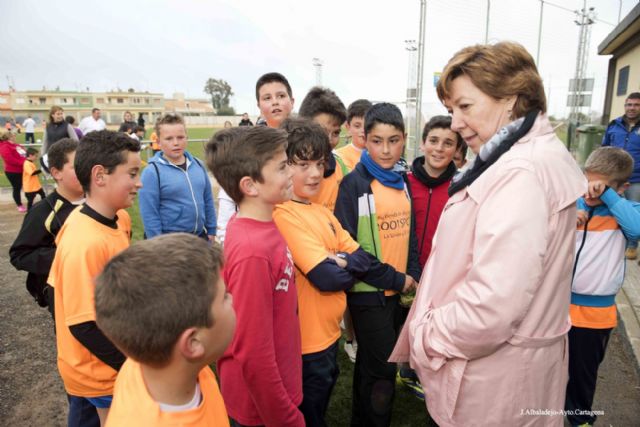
pixel 31 391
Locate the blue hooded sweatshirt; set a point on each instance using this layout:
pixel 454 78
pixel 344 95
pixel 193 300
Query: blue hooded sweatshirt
pixel 174 200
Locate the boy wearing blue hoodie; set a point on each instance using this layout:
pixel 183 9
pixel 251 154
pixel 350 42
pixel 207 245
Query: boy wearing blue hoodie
pixel 176 195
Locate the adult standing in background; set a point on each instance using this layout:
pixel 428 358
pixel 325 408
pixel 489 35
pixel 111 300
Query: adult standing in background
pixel 93 122
pixel 624 132
pixel 29 126
pixel 141 119
pixel 13 156
pixel 56 129
pixel 487 333
pixel 128 125
pixel 245 121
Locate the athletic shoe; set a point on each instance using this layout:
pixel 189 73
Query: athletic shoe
pixel 351 348
pixel 408 378
pixel 631 253
pixel 22 209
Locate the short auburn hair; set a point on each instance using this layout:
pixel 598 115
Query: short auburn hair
pixel 500 70
pixel 169 119
pixel 612 162
pixel 234 153
pixel 144 307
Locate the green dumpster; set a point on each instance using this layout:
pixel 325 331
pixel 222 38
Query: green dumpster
pixel 589 138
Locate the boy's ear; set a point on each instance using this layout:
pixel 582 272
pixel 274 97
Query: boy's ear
pixel 248 186
pixel 189 345
pixel 55 173
pixel 98 175
pixel 623 187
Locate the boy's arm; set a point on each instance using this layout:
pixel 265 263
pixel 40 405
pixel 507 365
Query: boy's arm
pixel 149 200
pixel 34 247
pixel 226 209
pixel 210 210
pixel 626 213
pixel 90 336
pixel 253 345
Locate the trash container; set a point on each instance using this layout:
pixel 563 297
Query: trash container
pixel 589 138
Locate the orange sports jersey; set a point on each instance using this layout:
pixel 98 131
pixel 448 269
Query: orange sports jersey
pixel 350 155
pixel 154 141
pixel 30 182
pixel 133 406
pixel 393 210
pixel 84 246
pixel 328 193
pixel 312 232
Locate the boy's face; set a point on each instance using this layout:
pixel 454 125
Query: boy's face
pixel 274 103
pixel 173 142
pixel 123 183
pixel 385 144
pixel 32 157
pixel 217 338
pixel 439 147
pixel 459 160
pixel 592 177
pixel 356 129
pixel 307 176
pixel 276 186
pixel 331 126
pixel 66 178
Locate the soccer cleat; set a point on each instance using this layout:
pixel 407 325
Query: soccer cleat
pixel 631 253
pixel 411 382
pixel 351 348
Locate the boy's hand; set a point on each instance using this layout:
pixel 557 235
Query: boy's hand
pixel 342 263
pixel 595 189
pixel 409 284
pixel 582 217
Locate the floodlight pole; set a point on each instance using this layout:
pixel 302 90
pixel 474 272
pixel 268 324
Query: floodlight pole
pixel 486 29
pixel 419 80
pixel 539 35
pixel 317 63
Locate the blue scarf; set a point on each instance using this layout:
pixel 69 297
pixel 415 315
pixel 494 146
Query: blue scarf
pixel 387 177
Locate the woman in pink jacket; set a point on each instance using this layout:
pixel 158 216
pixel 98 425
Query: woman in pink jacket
pixel 487 333
pixel 13 156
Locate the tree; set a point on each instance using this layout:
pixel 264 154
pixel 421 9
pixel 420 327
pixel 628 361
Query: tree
pixel 219 91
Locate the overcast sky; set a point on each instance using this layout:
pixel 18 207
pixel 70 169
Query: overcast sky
pixel 174 46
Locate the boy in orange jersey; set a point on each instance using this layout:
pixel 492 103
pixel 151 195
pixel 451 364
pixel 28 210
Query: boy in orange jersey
pixel 107 164
pixel 261 371
pixel 350 153
pixel 325 108
pixel 328 262
pixel 30 181
pixel 171 319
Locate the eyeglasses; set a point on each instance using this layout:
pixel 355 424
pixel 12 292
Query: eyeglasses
pixel 629 104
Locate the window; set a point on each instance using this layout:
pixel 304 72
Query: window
pixel 19 101
pixel 120 100
pixel 98 101
pixel 42 100
pixel 623 81
pixel 86 100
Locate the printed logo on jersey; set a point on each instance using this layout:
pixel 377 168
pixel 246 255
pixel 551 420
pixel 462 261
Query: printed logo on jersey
pixel 283 284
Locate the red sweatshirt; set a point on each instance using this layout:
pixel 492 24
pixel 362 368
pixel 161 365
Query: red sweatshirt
pixel 12 157
pixel 261 370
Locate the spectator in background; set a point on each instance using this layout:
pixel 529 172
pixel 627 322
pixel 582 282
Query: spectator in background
pixel 71 120
pixel 92 122
pixel 56 129
pixel 245 120
pixel 29 126
pixel 13 156
pixel 228 124
pixel 141 121
pixel 624 132
pixel 128 126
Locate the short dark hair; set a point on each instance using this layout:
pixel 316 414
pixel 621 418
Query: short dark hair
pixel 93 110
pixel 463 149
pixel 272 77
pixel 70 119
pixel 104 147
pixel 384 113
pixel 234 153
pixel 441 122
pixel 634 95
pixel 58 154
pixel 306 139
pixel 138 128
pixel 144 307
pixel 31 151
pixel 358 108
pixel 322 100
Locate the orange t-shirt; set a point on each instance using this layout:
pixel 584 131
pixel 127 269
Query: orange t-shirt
pixel 328 193
pixel 84 246
pixel 133 406
pixel 393 210
pixel 350 155
pixel 312 232
pixel 30 182
pixel 154 141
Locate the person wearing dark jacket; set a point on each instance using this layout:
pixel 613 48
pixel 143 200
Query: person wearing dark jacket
pixel 128 125
pixel 374 206
pixel 430 177
pixel 245 120
pixel 34 247
pixel 56 129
